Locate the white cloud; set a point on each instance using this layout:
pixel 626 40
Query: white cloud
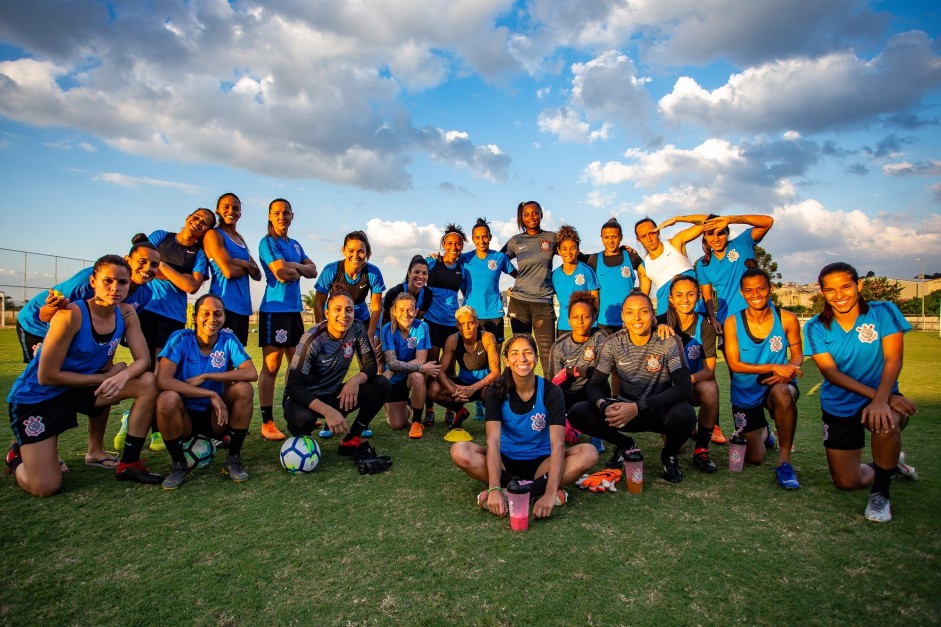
pixel 905 168
pixel 568 125
pixel 812 94
pixel 125 180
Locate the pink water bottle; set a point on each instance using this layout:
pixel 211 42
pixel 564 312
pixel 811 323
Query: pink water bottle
pixel 634 471
pixel 736 453
pixel 518 499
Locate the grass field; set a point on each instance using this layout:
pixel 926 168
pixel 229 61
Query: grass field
pixel 408 546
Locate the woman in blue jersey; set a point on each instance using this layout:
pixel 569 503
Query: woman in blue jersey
pixel 74 372
pixel 416 280
pixel 405 346
pixel 572 275
pixel 231 266
pixel 699 344
pixel 473 353
pixel 525 437
pixel 279 322
pixel 483 268
pixel 763 351
pixel 361 280
pixel 618 270
pixel 858 347
pixel 205 380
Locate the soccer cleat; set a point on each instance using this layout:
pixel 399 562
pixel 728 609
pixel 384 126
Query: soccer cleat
pixel 429 419
pixel 224 442
pixel 717 437
pixel 702 461
pixel 136 471
pixel 367 432
pixel 448 418
pixel 121 435
pixel 325 433
pixel 234 470
pixel 878 509
pixel 770 441
pixel 598 444
pixel 13 456
pixel 571 435
pixel 905 470
pixel 357 448
pixel 482 499
pixel 456 420
pixel 156 442
pixel 479 411
pixel 270 432
pixel 787 478
pixel 177 476
pixel 561 497
pixel 671 470
pixel 417 431
pixel 617 458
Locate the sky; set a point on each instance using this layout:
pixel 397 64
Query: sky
pixel 400 116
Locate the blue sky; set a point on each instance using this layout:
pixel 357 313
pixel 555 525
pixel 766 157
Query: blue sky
pixel 398 117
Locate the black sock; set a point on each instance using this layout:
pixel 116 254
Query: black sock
pixel 539 486
pixel 266 415
pixel 175 449
pixel 358 427
pixel 416 414
pixel 883 480
pixel 236 439
pixel 429 404
pixel 505 478
pixel 132 448
pixel 703 436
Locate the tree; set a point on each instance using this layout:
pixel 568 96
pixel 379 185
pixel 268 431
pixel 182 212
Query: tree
pixel 310 300
pixel 766 263
pixel 870 274
pixel 879 288
pixel 816 305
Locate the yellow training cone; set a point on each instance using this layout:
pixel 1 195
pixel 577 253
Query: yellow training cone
pixel 458 435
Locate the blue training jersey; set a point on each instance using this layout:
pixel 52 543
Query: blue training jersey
pixel 280 297
pixel 368 282
pixel 168 300
pixel 444 281
pixel 615 283
pixel 482 282
pixel 85 356
pixel 857 353
pixel 746 392
pixel 526 436
pixel 725 275
pixel 418 339
pixel 583 278
pixel 235 293
pixel 183 349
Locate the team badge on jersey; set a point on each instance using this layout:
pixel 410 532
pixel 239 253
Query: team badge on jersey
pixel 492 265
pixel 867 333
pixel 33 426
pixel 539 421
pixel 732 256
pixel 113 345
pixel 589 353
pixel 281 336
pixel 826 432
pixel 297 249
pixel 625 272
pixel 693 351
pixel 348 350
pixel 449 300
pixel 776 344
pixel 412 341
pixel 739 419
pixel 217 359
pixel 36 347
pixel 545 246
pixel 653 363
pixel 579 279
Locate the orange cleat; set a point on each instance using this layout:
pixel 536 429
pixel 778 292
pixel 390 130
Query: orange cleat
pixel 717 437
pixel 270 431
pixel 417 431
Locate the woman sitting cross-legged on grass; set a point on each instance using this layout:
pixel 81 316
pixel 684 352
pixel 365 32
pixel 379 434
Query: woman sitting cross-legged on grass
pixel 405 345
pixel 73 372
pixel 525 423
pixel 858 346
pixel 205 380
pixel 474 353
pixel 315 387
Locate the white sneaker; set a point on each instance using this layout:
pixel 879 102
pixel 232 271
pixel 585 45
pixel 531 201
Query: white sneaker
pixel 878 509
pixel 905 470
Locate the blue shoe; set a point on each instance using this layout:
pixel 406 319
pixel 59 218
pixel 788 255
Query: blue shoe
pixel 325 433
pixel 367 433
pixel 598 444
pixel 787 478
pixel 770 441
pixel 479 411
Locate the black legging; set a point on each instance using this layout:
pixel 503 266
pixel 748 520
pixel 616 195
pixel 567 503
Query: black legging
pixel 538 319
pixel 675 422
pixel 302 419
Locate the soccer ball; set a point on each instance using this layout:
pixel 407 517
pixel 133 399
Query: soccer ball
pixel 199 451
pixel 300 454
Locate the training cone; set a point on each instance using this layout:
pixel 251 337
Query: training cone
pixel 458 435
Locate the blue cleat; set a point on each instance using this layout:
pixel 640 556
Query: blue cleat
pixel 598 444
pixel 787 478
pixel 325 433
pixel 770 441
pixel 479 411
pixel 367 433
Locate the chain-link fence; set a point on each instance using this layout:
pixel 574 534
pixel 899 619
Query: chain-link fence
pixel 23 274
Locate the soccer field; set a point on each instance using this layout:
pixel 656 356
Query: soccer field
pixel 409 546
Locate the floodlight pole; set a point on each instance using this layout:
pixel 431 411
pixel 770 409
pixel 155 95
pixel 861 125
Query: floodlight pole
pixel 3 309
pixel 922 291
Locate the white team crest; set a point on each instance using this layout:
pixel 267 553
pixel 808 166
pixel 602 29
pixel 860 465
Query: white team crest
pixel 136 306
pixel 297 249
pixel 412 341
pixel 776 344
pixel 589 353
pixel 625 272
pixel 693 351
pixel 732 256
pixel 545 246
pixel 217 359
pixel 826 431
pixel 36 347
pixel 739 419
pixel 579 279
pixel 539 421
pixel 867 333
pixel 113 345
pixel 654 363
pixel 228 330
pixel 281 336
pixel 33 426
pixel 492 264
pixel 348 350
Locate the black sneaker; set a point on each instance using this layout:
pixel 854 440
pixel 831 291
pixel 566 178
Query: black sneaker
pixel 357 448
pixel 137 472
pixel 176 477
pixel 617 457
pixel 234 470
pixel 671 470
pixel 702 461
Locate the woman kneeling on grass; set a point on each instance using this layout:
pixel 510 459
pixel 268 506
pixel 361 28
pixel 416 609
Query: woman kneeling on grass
pixel 205 380
pixel 315 387
pixel 405 345
pixel 860 358
pixel 73 372
pixel 525 437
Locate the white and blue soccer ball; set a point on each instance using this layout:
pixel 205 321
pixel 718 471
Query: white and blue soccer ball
pixel 300 454
pixel 199 451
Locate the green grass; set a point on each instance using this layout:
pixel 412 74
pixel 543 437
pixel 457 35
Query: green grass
pixel 408 546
